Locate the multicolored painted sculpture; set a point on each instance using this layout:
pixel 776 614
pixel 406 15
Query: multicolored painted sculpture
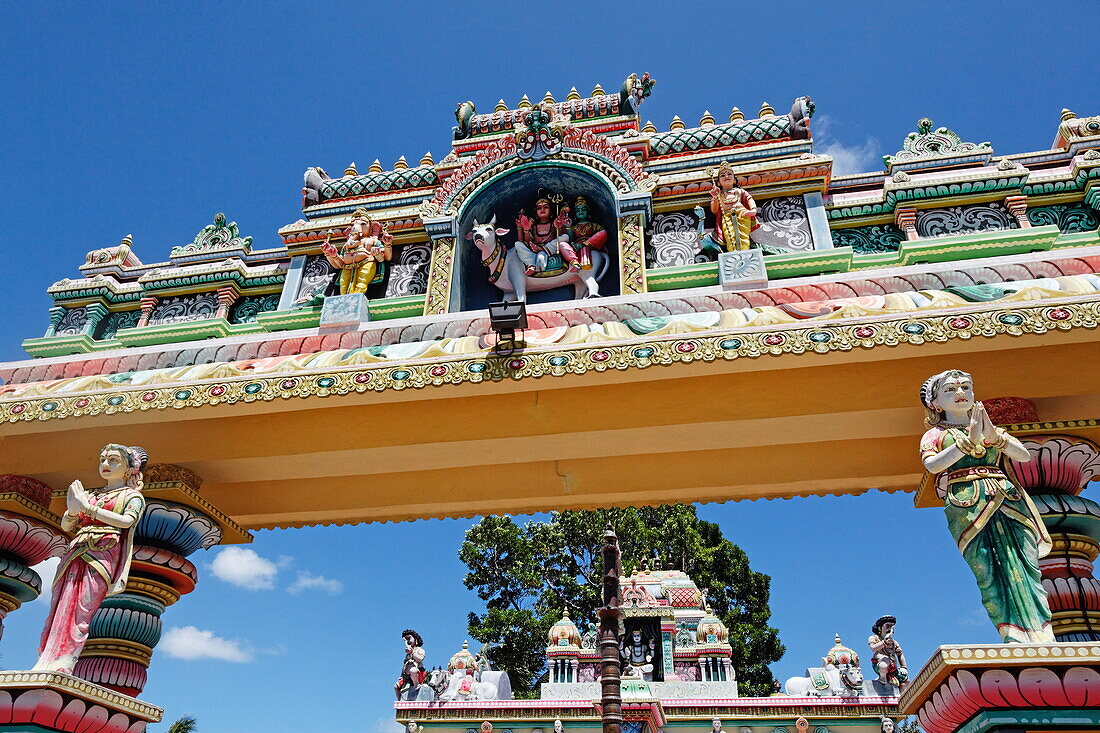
pixel 509 268
pixel 586 234
pixel 97 562
pixel 735 212
pixel 545 237
pixel 887 658
pixel 413 674
pixel 996 525
pixel 637 653
pixel 368 244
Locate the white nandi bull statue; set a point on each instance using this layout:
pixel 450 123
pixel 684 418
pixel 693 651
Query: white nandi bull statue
pixel 508 267
pixel 471 678
pixel 839 676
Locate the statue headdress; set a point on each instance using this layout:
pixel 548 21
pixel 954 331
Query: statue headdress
pixel 136 459
pixel 876 627
pixel 360 213
pixel 928 390
pixel 417 640
pixel 716 170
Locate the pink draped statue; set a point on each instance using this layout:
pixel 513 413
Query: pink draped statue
pixel 97 562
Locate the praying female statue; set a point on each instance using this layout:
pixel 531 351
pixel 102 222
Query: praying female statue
pixel 97 562
pixel 994 522
pixel 734 211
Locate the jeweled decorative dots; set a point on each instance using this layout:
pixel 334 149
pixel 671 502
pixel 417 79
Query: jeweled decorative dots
pixel 401 375
pixel 959 323
pixel 558 360
pixel 820 337
pixel 253 388
pixel 148 396
pixel 183 394
pixel 643 353
pixel 1010 319
pixel 600 356
pixel 730 344
pixel 326 382
pixel 864 332
pixel 913 328
pixel 477 367
pixel 1058 314
pixel 685 347
pixel 773 339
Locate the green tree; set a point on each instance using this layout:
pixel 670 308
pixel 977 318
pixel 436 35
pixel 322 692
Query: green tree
pixel 528 576
pixel 185 724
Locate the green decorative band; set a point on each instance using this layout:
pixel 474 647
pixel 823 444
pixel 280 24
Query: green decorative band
pixel 815 338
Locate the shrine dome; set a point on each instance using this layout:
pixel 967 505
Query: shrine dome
pixel 463 659
pixel 564 633
pixel 711 630
pixel 841 655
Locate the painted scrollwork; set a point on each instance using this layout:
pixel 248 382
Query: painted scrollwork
pixel 315 277
pixel 217 237
pixel 674 240
pixel 875 239
pixel 1069 218
pixel 112 323
pixel 784 223
pixel 246 309
pixel 927 143
pixel 185 308
pixel 409 276
pixel 72 322
pixel 961 219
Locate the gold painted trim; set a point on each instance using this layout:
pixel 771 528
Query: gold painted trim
pixel 82 689
pixel 118 649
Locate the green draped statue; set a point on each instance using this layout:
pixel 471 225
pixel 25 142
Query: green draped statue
pixel 995 524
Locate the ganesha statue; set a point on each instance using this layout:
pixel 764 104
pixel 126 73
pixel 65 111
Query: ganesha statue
pixel 561 244
pixel 361 259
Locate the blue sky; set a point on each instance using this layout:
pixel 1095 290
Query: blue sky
pixel 148 118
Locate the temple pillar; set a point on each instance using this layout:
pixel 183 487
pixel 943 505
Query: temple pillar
pixel 96 312
pixel 126 628
pixel 1060 468
pixel 29 534
pixel 443 232
pixel 1017 206
pixel 227 295
pixel 56 314
pixel 634 209
pixel 611 698
pixel 148 303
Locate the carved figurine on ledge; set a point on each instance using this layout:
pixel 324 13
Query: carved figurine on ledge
pixel 734 211
pixel 412 670
pixel 368 245
pixel 97 562
pixel 887 658
pixel 994 522
pixel 637 653
pixel 544 236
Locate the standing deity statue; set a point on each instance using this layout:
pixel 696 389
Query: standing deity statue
pixel 545 235
pixel 97 562
pixel 734 211
pixel 994 522
pixel 412 670
pixel 886 725
pixel 716 726
pixel 887 658
pixel 637 653
pixel 368 244
pixel 586 234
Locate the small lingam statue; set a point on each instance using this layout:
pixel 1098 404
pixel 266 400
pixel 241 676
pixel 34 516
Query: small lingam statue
pixel 97 562
pixel 994 522
pixel 412 671
pixel 887 658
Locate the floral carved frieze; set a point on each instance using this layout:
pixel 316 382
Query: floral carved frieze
pixel 185 308
pixel 952 220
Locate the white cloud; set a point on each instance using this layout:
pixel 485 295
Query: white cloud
pixel 46 570
pixel 244 568
pixel 847 159
pixel 188 642
pixel 308 581
pixel 387 725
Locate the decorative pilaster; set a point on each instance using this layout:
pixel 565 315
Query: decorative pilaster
pixel 29 534
pixel 906 220
pixel 610 664
pixel 1017 206
pixel 127 626
pixel 439 276
pixel 56 314
pixel 96 312
pixel 1060 467
pixel 227 295
pixel 148 303
pixel 632 277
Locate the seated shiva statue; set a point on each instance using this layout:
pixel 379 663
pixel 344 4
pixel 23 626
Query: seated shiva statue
pixel 546 235
pixel 637 655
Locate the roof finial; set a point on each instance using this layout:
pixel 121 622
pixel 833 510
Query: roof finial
pixel 549 98
pixel 736 115
pixel 524 103
pixel 649 127
pixel 502 106
pixel 128 240
pixel 427 159
pixel 401 164
pixel 375 167
pixel 350 170
pixel 1067 115
pixel 677 123
pixel 597 91
pixel 573 95
pixel 766 110
pixel 707 119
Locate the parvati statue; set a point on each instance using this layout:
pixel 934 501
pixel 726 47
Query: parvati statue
pixel 97 562
pixel 994 522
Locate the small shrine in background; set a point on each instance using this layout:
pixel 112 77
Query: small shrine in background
pixel 676 672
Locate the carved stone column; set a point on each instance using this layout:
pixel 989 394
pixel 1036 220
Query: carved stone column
pixel 906 220
pixel 226 297
pixel 632 253
pixel 610 664
pixel 56 314
pixel 1060 467
pixel 96 312
pixel 29 534
pixel 127 626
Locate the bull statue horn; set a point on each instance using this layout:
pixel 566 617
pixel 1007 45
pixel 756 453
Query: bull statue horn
pixel 493 221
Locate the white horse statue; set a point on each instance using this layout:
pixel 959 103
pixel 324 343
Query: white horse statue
pixel 508 267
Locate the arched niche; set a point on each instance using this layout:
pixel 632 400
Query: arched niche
pixel 515 189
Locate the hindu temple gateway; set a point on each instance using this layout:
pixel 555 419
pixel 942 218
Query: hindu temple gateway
pixel 571 267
